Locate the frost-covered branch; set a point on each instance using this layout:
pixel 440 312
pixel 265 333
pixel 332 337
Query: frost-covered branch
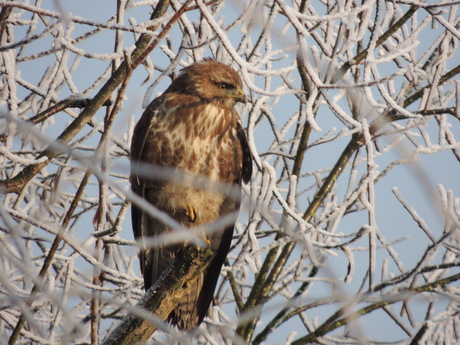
pixel 352 120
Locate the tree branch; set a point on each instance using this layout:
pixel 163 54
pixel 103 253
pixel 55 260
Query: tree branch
pixel 363 54
pixel 15 184
pixel 163 297
pixel 50 256
pixel 257 296
pixel 330 326
pixel 4 14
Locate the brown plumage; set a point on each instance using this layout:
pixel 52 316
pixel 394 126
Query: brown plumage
pixel 192 129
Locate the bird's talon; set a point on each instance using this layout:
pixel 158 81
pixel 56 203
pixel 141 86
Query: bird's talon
pixel 207 244
pixel 190 213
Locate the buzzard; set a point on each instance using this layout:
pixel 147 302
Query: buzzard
pixel 192 129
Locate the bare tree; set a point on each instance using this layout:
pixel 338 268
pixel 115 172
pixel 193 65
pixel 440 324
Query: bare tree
pixel 349 230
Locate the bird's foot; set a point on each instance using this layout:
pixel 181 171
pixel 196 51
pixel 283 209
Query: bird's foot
pixel 190 213
pixel 207 244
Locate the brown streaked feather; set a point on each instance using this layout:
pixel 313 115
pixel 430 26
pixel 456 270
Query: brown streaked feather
pixel 193 129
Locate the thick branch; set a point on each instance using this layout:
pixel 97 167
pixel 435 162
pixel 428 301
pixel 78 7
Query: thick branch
pixel 163 297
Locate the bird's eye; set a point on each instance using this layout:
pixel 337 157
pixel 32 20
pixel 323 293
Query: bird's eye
pixel 225 86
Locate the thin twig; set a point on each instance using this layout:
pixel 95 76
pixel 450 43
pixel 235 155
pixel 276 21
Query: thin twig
pixel 16 183
pixel 70 102
pixel 327 327
pixel 49 258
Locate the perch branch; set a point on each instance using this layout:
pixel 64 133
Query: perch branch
pixel 163 297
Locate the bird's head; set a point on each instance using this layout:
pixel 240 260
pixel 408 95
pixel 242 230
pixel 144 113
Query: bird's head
pixel 210 80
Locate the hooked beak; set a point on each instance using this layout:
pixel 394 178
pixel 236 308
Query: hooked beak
pixel 240 96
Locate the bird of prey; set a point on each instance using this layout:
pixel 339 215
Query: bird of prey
pixel 193 129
